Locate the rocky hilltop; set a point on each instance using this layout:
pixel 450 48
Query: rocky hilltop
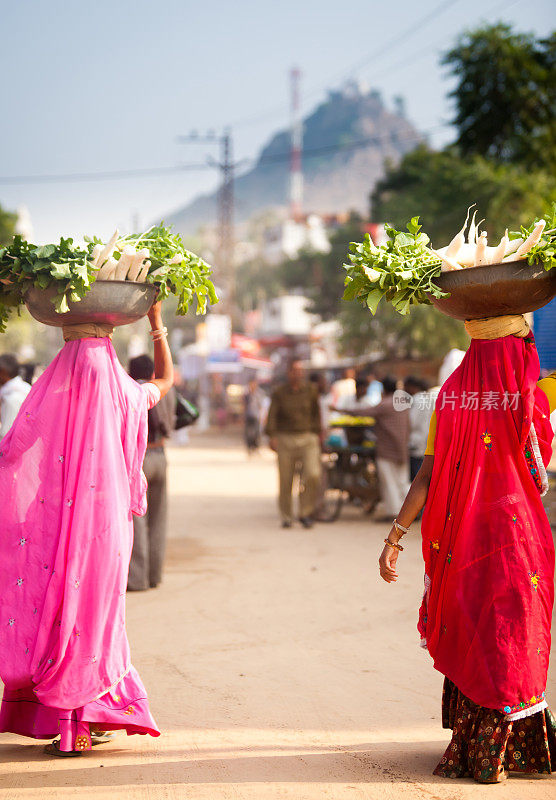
pixel 346 141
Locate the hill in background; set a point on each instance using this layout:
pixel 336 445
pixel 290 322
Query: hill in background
pixel 346 141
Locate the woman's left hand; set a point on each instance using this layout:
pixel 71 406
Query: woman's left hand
pixel 387 564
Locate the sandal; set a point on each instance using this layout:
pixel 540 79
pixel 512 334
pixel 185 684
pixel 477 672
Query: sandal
pixel 53 749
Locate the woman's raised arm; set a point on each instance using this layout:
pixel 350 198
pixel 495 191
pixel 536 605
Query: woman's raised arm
pixel 163 365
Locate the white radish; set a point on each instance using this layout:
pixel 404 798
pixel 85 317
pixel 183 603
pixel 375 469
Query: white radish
pixel 142 277
pixel 459 239
pixel 530 242
pixel 465 256
pixel 500 251
pixel 533 239
pixel 448 264
pixel 97 250
pixel 137 264
pixel 479 223
pixel 481 255
pixel 472 229
pixel 108 249
pixel 125 262
pixel 513 245
pixel 108 270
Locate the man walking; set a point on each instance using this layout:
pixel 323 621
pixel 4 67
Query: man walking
pixel 13 391
pixel 149 531
pixel 294 431
pixel 392 456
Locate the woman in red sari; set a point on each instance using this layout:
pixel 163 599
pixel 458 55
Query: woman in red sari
pixel 489 555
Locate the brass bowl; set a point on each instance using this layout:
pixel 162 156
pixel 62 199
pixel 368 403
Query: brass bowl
pixel 112 302
pixel 495 290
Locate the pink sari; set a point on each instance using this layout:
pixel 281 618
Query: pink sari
pixel 70 479
pixel 487 543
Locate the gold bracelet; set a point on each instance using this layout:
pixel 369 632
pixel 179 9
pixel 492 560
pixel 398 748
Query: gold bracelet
pixel 395 545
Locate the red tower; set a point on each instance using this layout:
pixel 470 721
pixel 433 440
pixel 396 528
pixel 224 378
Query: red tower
pixel 296 174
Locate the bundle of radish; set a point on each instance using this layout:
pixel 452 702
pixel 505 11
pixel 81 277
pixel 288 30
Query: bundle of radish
pixel 156 256
pixel 474 251
pixel 403 270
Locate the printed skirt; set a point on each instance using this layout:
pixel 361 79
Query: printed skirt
pixel 486 747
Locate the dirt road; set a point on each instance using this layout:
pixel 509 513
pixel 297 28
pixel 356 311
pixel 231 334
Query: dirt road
pixel 278 665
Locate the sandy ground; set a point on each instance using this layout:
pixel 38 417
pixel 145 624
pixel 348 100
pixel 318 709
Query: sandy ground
pixel 278 664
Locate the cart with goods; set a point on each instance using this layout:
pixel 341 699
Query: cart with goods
pixel 349 468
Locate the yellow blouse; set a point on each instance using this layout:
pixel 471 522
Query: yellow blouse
pixel 548 385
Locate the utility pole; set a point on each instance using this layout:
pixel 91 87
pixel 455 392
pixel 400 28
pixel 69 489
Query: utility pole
pixel 226 217
pixel 225 213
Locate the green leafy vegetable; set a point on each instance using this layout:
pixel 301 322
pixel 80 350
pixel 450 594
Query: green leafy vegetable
pixel 70 268
pixel 187 277
pixel 402 271
pixel 23 265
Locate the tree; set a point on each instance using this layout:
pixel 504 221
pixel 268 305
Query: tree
pixel 319 274
pixel 7 226
pixel 256 281
pixel 440 185
pixel 425 332
pixel 505 95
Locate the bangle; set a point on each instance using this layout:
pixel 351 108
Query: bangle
pixel 160 333
pixel 397 525
pixel 395 545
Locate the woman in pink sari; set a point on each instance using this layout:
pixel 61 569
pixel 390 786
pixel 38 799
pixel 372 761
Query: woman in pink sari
pixel 489 555
pixel 70 480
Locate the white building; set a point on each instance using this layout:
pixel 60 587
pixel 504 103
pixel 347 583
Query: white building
pixel 287 239
pixel 286 316
pixel 24 225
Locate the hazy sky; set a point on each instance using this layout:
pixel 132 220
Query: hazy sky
pixel 109 84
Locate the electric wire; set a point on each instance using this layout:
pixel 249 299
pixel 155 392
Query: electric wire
pixel 311 152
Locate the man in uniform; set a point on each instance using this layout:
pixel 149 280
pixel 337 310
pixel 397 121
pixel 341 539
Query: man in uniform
pixel 294 431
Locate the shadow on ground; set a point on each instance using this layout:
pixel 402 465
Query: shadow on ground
pixel 363 763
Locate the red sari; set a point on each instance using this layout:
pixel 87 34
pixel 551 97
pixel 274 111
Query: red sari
pixel 487 543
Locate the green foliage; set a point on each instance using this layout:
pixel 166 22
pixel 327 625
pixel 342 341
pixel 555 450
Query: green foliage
pixel 505 95
pixel 317 273
pixel 7 225
pixel 424 333
pixel 187 277
pixel 23 265
pixel 441 185
pixel 402 271
pixel 256 281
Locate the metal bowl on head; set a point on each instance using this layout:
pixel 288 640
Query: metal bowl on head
pixel 110 302
pixel 495 290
